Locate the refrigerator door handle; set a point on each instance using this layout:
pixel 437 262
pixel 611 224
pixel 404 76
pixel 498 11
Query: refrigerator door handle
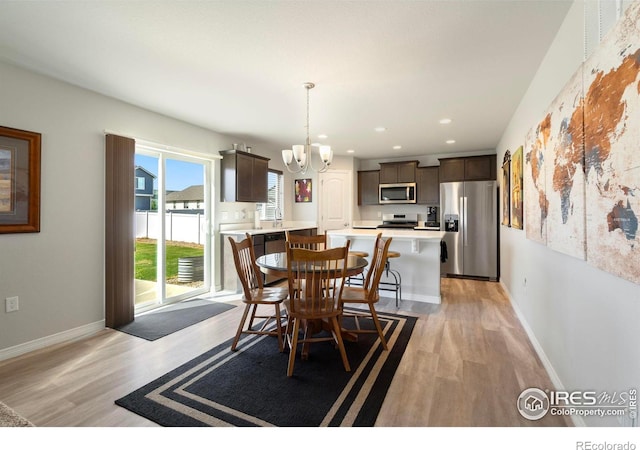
pixel 462 224
pixel 464 215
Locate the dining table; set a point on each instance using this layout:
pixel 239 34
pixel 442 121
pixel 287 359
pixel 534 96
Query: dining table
pixel 276 264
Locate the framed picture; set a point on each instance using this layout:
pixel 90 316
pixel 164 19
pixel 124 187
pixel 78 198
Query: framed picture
pixel 516 189
pixel 506 189
pixel 19 181
pixel 303 190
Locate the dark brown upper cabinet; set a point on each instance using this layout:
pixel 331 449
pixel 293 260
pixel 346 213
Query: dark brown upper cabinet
pixel 244 177
pixel 472 168
pixel 398 172
pixel 428 185
pixel 368 181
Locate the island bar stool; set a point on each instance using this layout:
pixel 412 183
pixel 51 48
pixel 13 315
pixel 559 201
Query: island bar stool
pixel 396 285
pixel 357 280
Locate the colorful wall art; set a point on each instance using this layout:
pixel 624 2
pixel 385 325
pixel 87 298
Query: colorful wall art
pixel 612 149
pixel 506 189
pixel 302 190
pixel 582 164
pixel 516 189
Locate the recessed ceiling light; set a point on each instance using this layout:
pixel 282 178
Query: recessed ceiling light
pixel 322 136
pixel 451 141
pixel 445 121
pixel 351 150
pixel 380 129
pixel 397 147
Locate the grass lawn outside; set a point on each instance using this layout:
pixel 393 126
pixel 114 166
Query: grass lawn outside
pixel 146 255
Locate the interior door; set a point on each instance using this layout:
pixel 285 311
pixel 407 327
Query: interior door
pixel 335 200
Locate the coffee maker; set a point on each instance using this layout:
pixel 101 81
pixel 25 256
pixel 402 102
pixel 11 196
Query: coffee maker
pixel 433 217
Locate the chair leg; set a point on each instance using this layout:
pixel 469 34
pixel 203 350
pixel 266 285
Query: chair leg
pixel 376 322
pixel 287 332
pixel 337 334
pixel 240 327
pixel 253 316
pixel 294 345
pixel 279 328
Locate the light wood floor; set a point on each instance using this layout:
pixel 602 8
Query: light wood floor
pixel 468 360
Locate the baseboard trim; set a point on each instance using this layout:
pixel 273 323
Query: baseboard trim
pixel 64 336
pixel 553 375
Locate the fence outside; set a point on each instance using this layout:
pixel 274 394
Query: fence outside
pixel 183 227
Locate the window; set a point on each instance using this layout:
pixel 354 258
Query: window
pixel 140 183
pixel 275 196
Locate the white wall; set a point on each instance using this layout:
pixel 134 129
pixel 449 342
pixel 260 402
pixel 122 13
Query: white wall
pixel 305 212
pixel 58 273
pixel 585 320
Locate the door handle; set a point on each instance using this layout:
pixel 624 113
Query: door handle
pixel 464 212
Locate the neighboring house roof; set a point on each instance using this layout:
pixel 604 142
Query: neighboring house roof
pixel 192 193
pixel 145 170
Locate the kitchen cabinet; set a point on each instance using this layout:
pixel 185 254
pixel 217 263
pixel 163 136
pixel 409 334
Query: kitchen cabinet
pixel 471 168
pixel 428 185
pixel 305 232
pixel 244 177
pixel 368 181
pixel 398 172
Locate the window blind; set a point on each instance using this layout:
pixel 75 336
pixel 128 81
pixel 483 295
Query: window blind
pixel 274 196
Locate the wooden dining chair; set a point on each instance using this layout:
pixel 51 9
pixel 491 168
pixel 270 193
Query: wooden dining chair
pixel 256 295
pixel 322 273
pixel 317 242
pixel 368 293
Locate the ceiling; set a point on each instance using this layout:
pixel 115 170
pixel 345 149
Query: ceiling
pixel 238 66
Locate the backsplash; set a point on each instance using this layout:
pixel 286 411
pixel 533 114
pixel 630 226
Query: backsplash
pixel 375 212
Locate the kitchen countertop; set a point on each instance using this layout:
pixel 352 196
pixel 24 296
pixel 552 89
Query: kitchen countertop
pixel 424 234
pixel 254 231
pixel 372 227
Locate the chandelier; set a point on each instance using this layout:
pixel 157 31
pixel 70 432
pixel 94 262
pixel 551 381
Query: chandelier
pixel 301 154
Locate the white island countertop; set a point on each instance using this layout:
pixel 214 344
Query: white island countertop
pixel 396 234
pixel 418 261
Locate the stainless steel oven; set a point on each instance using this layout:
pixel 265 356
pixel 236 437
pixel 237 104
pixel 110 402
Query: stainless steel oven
pixel 397 193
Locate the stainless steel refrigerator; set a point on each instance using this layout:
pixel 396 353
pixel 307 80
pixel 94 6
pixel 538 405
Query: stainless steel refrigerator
pixel 469 218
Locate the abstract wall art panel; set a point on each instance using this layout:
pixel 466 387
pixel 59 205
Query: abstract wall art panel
pixel 612 149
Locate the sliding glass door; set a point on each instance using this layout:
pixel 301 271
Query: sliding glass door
pixel 172 214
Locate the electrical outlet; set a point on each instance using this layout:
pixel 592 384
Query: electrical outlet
pixel 379 214
pixel 11 304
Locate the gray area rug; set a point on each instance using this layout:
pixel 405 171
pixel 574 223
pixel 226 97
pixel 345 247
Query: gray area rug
pixel 10 418
pixel 250 387
pixel 154 325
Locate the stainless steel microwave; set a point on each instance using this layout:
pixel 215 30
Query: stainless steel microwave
pixel 397 193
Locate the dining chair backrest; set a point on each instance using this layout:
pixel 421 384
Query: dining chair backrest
pixel 321 273
pixel 246 267
pixel 376 266
pixel 317 242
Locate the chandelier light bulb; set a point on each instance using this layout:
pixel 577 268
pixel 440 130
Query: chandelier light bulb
pixel 287 157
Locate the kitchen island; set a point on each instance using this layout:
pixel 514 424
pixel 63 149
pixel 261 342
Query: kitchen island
pixel 419 261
